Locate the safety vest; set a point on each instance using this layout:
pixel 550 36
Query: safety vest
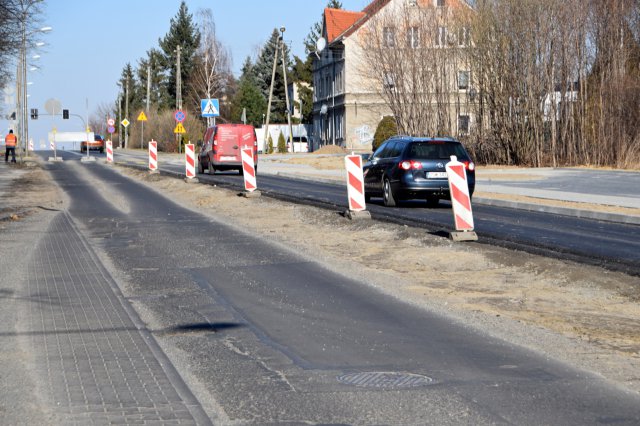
pixel 10 140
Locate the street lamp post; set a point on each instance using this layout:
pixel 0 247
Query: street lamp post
pixel 21 81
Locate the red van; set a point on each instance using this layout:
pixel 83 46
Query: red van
pixel 221 147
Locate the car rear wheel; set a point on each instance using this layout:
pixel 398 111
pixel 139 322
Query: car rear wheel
pixel 387 194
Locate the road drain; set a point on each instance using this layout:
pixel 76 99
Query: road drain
pixel 385 380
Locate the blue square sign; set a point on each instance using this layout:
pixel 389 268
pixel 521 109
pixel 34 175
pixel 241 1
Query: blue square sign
pixel 210 107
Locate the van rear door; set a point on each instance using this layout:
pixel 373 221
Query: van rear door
pixel 228 146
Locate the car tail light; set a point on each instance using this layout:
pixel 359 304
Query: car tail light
pixel 408 165
pixel 469 165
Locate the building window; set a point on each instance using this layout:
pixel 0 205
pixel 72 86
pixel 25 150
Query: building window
pixel 413 37
pixel 440 3
pixel 463 80
pixel 463 124
pixel 441 36
pixel 464 38
pixel 388 81
pixel 388 37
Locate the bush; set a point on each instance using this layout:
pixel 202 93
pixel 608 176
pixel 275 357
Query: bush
pixel 282 143
pixel 270 145
pixel 386 128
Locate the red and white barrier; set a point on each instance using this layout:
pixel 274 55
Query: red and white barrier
pixel 355 183
pixel 30 144
pixel 52 145
pixel 460 200
pixel 153 155
pixel 249 170
pixel 109 152
pixel 190 160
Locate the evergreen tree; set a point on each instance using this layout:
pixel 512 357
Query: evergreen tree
pixel 270 145
pixel 302 72
pixel 184 33
pixel 152 61
pixel 282 143
pixel 135 102
pixel 249 96
pixel 386 128
pixel 263 69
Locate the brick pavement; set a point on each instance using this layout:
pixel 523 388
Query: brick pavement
pixel 95 362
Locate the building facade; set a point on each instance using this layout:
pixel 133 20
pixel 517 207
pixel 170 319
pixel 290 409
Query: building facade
pixel 353 92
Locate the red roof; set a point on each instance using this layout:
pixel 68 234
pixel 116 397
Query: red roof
pixel 338 21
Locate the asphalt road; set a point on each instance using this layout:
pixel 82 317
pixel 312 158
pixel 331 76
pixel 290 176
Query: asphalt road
pixel 262 335
pixel 615 246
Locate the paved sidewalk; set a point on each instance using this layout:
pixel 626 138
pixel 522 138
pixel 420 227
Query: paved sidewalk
pixel 91 358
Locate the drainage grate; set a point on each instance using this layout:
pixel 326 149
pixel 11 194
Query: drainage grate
pixel 385 380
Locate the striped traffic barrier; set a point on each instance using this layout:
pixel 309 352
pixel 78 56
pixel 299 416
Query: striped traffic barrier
pixel 249 173
pixel 460 201
pixel 52 146
pixel 109 152
pixel 30 144
pixel 190 160
pixel 153 156
pixel 355 188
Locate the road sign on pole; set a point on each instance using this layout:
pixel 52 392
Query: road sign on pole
pixel 111 122
pixel 179 129
pixel 125 122
pixel 142 116
pixel 179 116
pixel 210 107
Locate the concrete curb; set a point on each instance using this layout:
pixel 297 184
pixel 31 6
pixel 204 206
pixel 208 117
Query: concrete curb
pixel 565 211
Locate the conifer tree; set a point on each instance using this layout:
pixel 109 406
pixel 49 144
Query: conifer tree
pixel 249 96
pixel 263 69
pixel 184 33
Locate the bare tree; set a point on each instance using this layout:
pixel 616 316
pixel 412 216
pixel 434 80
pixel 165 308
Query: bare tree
pixel 212 66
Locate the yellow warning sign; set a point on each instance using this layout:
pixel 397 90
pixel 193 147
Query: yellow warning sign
pixel 179 129
pixel 142 116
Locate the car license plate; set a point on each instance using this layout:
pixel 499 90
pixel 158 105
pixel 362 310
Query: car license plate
pixel 227 158
pixel 436 175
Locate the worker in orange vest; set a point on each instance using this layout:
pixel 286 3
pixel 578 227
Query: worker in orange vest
pixel 10 142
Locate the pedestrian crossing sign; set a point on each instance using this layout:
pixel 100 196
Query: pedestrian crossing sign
pixel 210 107
pixel 179 129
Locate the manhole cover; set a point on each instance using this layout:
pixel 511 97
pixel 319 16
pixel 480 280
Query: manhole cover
pixel 385 380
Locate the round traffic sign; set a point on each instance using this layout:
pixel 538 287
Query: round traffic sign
pixel 179 116
pixel 111 129
pixel 111 122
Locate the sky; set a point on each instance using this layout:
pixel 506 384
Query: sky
pixel 91 41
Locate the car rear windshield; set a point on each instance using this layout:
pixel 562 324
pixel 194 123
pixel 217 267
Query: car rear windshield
pixel 436 150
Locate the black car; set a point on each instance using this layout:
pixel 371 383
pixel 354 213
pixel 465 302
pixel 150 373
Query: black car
pixel 414 167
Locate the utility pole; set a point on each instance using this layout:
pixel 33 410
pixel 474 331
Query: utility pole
pixel 126 114
pixel 120 120
pixel 273 77
pixel 148 85
pixel 286 90
pixel 179 94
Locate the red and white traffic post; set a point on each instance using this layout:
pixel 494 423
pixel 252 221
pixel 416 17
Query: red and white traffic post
pixel 355 188
pixel 249 173
pixel 109 152
pixel 153 156
pixel 190 163
pixel 460 201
